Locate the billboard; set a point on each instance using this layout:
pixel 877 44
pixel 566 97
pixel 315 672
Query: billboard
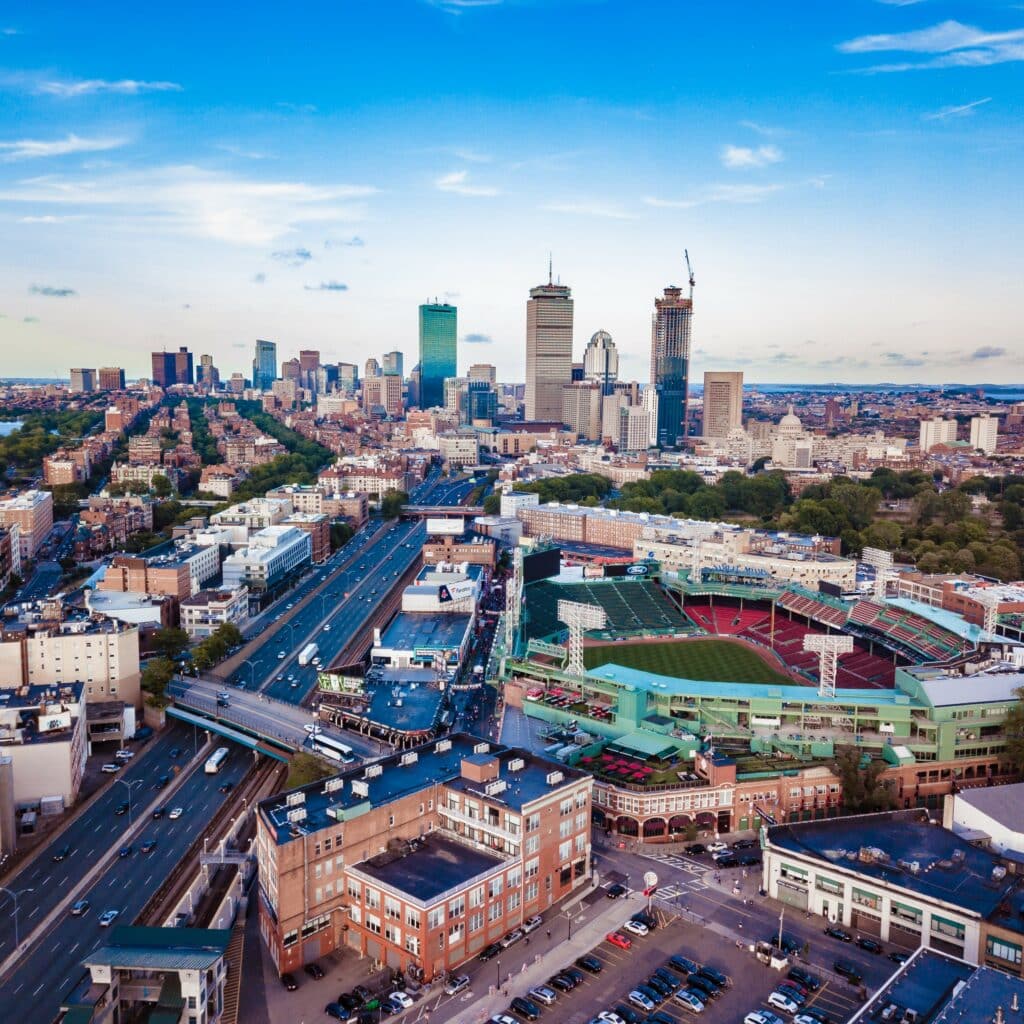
pixel 541 565
pixel 636 570
pixel 824 587
pixel 454 527
pixel 53 719
pixel 449 592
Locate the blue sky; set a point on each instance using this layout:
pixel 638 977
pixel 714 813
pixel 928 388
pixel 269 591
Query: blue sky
pixel 845 174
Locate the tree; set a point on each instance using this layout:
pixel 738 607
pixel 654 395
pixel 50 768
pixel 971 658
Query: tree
pixel 707 504
pixel 161 485
pixel 492 504
pixel 155 677
pixel 1013 729
pixel 883 534
pixel 863 789
pixel 170 641
pixel 391 504
pixel 341 534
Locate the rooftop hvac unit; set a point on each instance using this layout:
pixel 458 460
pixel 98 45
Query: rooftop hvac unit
pixel 411 757
pixel 554 778
pixel 482 748
pixel 496 787
pixel 517 764
pixel 294 799
pixel 360 788
pixel 373 770
pixel 297 815
pixel 442 746
pixel 332 785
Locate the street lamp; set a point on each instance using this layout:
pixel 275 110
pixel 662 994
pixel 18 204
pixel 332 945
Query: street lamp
pixel 252 671
pixel 14 896
pixel 129 786
pixel 499 973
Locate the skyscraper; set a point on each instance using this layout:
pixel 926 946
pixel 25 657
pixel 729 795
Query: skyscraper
pixel 601 361
pixel 111 378
pixel 208 375
pixel 438 346
pixel 670 363
pixel 392 364
pixel 82 380
pixel 483 371
pixel 309 363
pixel 723 403
pixel 183 367
pixel 264 366
pixel 548 350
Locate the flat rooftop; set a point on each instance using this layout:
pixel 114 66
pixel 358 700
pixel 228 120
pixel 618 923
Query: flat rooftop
pixel 948 868
pixel 404 708
pixel 1005 804
pixel 432 630
pixel 926 983
pixel 430 868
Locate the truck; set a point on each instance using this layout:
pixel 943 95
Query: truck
pixel 307 654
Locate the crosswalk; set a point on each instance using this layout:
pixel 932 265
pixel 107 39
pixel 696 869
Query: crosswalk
pixel 676 889
pixel 679 862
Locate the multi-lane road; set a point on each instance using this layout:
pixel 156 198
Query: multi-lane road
pixel 43 975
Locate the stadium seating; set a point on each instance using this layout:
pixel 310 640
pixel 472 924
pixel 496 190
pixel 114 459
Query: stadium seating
pixel 725 619
pixel 813 608
pixel 908 632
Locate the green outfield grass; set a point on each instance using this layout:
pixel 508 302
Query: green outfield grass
pixel 718 661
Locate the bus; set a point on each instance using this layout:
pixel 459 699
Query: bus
pixel 217 758
pixel 332 748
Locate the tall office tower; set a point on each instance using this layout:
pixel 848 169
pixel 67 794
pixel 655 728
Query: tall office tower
pixel 581 409
pixel 326 379
pixel 392 364
pixel 649 401
pixel 723 403
pixel 163 369
pixel 309 363
pixel 985 433
pixel 183 367
pixel 483 403
pixel 577 374
pixel 348 376
pixel 636 427
pixel 483 371
pixel 456 390
pixel 264 365
pixel 548 350
pixel 670 363
pixel 111 378
pixel 438 347
pixel 936 431
pixel 82 380
pixel 414 388
pixel 208 375
pixel 371 368
pixel 601 361
pixel 237 383
pixel 292 370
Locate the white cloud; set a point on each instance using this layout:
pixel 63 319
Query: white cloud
pixel 48 218
pixel 718 194
pixel 953 44
pixel 743 157
pixel 767 130
pixel 608 211
pixel 31 149
pixel 461 6
pixel 91 86
pixel 194 201
pixel 900 3
pixel 458 182
pixel 963 110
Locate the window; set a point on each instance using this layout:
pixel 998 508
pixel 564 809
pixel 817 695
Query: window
pixel 530 892
pixel 494 889
pixel 412 944
pixel 533 822
pixel 476 897
pixel 828 885
pixel 581 843
pixel 392 908
pixel 327 845
pixel 532 867
pixel 565 827
pixel 476 921
pixel 457 906
pixel 412 918
pixel 494 911
pixel 372 899
pixel 581 821
pixel 513 901
pixel 435 918
pixel 356 914
pixel 564 850
pixel 565 807
pixel 355 890
pixel 948 928
pixel 393 934
pixel 455 932
pixel 514 878
pixel 581 798
pixel 866 899
pixel 905 912
pixel 532 844
pixel 373 924
pixel 290 938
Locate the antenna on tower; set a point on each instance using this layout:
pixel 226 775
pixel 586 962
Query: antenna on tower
pixel 549 268
pixel 689 270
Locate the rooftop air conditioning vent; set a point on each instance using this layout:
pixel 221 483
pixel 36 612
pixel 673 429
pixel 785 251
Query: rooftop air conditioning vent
pixel 482 748
pixel 332 785
pixel 411 757
pixel 442 746
pixel 517 764
pixel 373 770
pixel 496 787
pixel 554 778
pixel 360 788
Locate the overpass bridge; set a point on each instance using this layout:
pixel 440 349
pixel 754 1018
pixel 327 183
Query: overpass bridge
pixel 441 511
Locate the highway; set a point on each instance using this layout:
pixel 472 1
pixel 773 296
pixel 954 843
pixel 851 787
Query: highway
pixel 43 976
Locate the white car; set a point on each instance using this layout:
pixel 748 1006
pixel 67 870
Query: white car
pixel 610 1018
pixel 640 1000
pixel 327 629
pixel 108 917
pixel 503 1018
pixel 111 769
pixel 175 813
pixel 510 939
pixel 767 1017
pixel 281 655
pixel 716 847
pixel 802 1018
pixel 545 996
pixel 636 927
pixel 532 924
pixel 782 1002
pixel 309 727
pixel 402 999
pixel 457 985
pixel 124 755
pixel 690 1002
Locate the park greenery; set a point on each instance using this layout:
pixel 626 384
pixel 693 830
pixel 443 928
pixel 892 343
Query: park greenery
pixel 863 788
pixel 215 647
pixel 155 677
pixel 391 504
pixel 203 441
pixel 42 433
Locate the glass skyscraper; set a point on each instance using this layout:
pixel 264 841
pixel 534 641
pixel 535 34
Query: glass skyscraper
pixel 438 332
pixel 264 366
pixel 670 363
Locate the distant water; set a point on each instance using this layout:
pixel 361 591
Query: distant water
pixel 996 392
pixel 9 427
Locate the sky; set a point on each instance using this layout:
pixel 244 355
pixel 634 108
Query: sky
pixel 845 174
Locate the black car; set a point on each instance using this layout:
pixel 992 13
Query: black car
pixel 728 861
pixel 159 812
pixel 816 1014
pixel 659 1018
pixel 748 860
pixel 613 892
pixel 350 1001
pixel 656 996
pixel 148 846
pixel 659 986
pixel 835 932
pixel 289 982
pixel 899 958
pixel 645 918
pixel 562 983
pixel 525 1008
pixel 627 1013
pixel 703 984
pixel 337 1012
pixel 851 972
pixel 226 787
pixel 315 971
pixel 869 945
pixel 163 781
pixel 175 752
pixel 668 977
pixel 62 854
pixel 125 851
pixel 714 976
pixel 696 849
pixel 490 952
pixel 362 993
pixel 589 963
pixel 683 965
pixel 571 972
pixel 809 981
pixel 744 844
pixel 121 808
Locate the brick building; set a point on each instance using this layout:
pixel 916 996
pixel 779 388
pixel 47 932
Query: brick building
pixel 32 513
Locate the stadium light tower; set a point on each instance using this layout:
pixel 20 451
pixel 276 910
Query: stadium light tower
pixel 579 618
pixel 828 649
pixel 990 608
pixel 881 562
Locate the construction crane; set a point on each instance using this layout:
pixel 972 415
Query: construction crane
pixel 689 270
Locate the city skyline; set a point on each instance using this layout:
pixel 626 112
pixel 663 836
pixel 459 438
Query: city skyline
pixel 851 221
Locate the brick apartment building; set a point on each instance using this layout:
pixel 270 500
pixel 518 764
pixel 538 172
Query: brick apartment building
pixel 422 859
pixel 318 526
pixel 476 551
pixel 32 513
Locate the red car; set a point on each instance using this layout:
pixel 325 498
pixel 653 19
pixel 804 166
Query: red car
pixel 620 940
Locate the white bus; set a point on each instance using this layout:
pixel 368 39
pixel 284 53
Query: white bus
pixel 217 758
pixel 332 748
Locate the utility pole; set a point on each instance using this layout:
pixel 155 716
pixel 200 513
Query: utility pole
pixel 782 914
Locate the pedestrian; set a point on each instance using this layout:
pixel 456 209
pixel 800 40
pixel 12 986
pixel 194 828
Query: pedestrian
pixel 549 933
pixel 527 940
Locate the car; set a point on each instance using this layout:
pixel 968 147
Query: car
pixel 668 978
pixel 787 988
pixel 531 924
pixel 511 939
pixel 400 998
pixel 490 952
pixel 610 1018
pixel 159 812
pixel 123 755
pixel 226 787
pixel 148 846
pixel 121 808
pixel 690 1001
pixel 833 931
pixel 79 907
pixel 126 851
pixel 637 998
pixel 618 939
pixel 744 844
pixel 280 655
pixel 898 957
pixel 543 995
pixel 524 1008
pixel 717 977
pixel 683 965
pixel 807 1016
pixel 851 972
pixel 635 928
pixel 289 982
pixel 110 769
pixel 62 854
pixel 337 1012
pixel 350 1001
pixel 175 752
pixel 695 849
pixel 224 695
pixel 309 727
pixel 726 860
pixel 869 945
pixel 613 892
pixel 457 984
pixel 561 982
pixel 645 918
pixel 762 1017
pixel 789 945
pixel 503 1018
pixel 703 985
pixel 811 982
pixel 315 971
pixel 327 629
pixel 717 847
pixel 748 860
pixel 782 1002
pixel 658 986
pixel 108 917
pixel 589 963
pixel 627 1013
pixel 574 975
pixel 163 781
